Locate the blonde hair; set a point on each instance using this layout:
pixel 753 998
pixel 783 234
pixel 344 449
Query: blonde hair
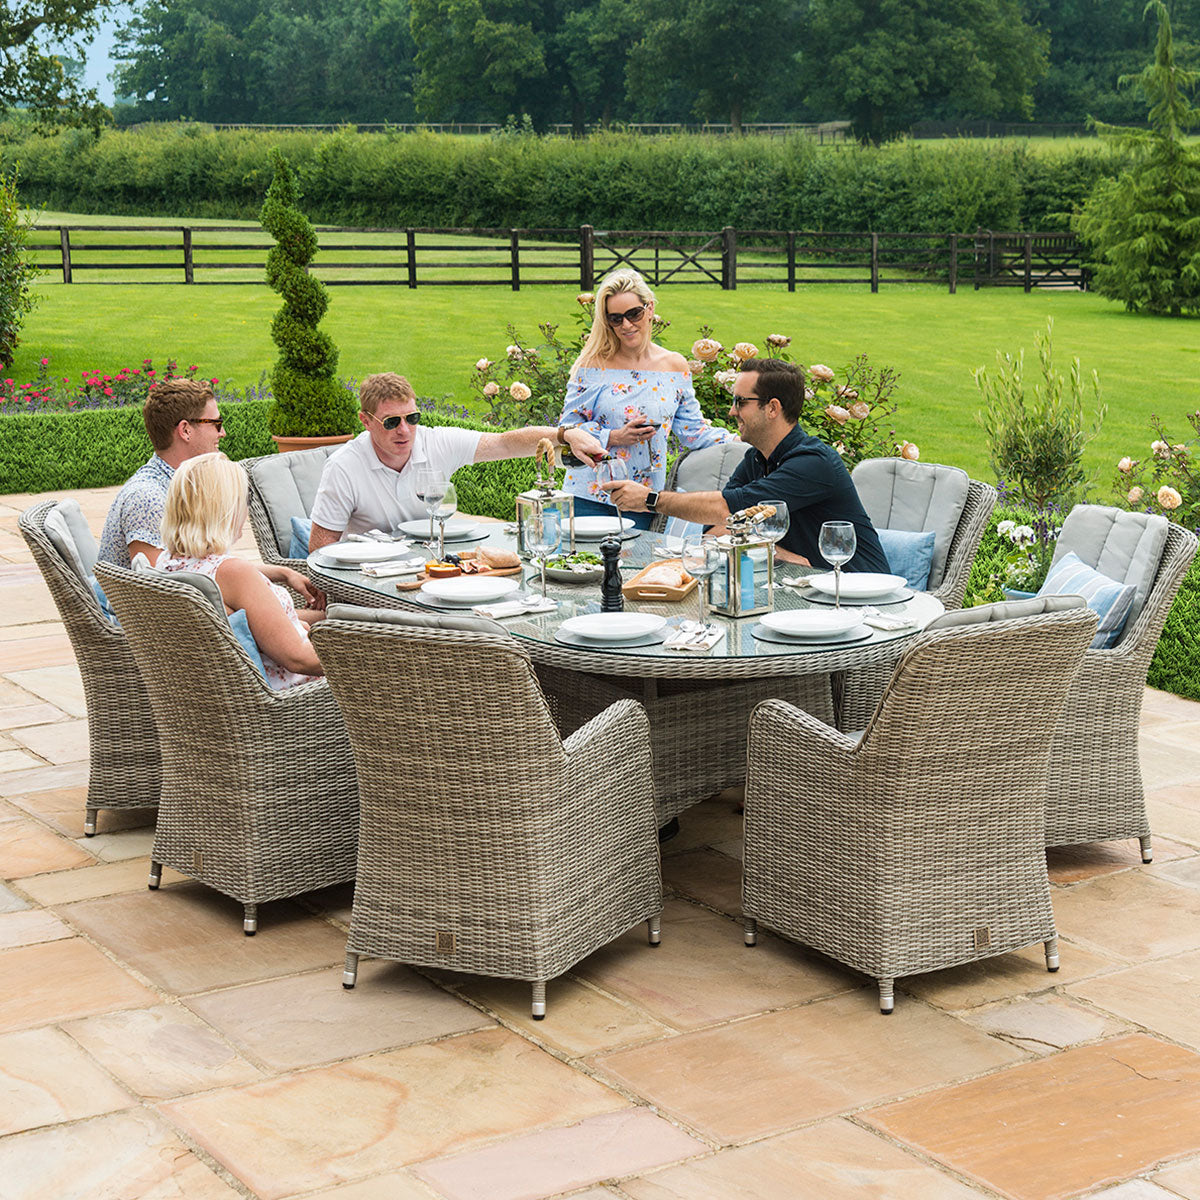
pixel 603 342
pixel 375 389
pixel 206 506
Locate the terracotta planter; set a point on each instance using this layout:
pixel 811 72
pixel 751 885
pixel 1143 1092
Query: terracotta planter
pixel 309 443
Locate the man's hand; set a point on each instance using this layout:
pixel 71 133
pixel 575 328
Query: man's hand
pixel 584 446
pixel 627 495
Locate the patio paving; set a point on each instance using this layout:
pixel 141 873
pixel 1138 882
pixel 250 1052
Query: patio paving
pixel 149 1051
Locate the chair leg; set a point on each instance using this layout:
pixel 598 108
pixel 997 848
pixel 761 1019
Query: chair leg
pixel 89 822
pixel 155 876
pixel 539 1000
pixel 1147 852
pixel 350 971
pixel 250 919
pixel 750 931
pixel 1052 954
pixel 654 931
pixel 887 996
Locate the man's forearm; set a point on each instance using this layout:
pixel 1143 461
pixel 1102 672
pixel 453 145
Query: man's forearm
pixel 513 443
pixel 703 508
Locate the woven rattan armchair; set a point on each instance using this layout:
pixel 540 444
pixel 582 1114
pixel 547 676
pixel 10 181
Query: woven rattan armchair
pixel 487 845
pixel 1095 790
pixel 898 494
pixel 259 798
pixel 920 845
pixel 283 486
pixel 124 769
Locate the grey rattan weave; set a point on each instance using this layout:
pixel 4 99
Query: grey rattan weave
pixel 921 845
pixel 1095 788
pixel 487 844
pixel 259 798
pixel 124 769
pixel 282 486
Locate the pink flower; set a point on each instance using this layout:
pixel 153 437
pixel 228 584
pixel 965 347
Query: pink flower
pixel 136 371
pixel 193 367
pixel 45 362
pixel 108 391
pixel 213 381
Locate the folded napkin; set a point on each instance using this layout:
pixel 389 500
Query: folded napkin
pixel 688 641
pixel 889 623
pixel 385 570
pixel 513 608
pixel 801 581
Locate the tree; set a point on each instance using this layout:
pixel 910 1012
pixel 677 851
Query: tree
pixel 887 63
pixel 17 298
pixel 32 75
pixel 1144 226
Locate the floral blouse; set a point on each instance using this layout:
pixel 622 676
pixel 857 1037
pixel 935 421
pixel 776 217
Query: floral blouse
pixel 601 399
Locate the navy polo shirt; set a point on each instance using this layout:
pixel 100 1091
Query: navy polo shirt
pixel 811 477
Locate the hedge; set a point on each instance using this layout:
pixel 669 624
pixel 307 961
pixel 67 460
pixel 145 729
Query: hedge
pixel 616 181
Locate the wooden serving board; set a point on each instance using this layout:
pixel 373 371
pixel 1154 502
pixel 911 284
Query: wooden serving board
pixel 634 589
pixel 411 585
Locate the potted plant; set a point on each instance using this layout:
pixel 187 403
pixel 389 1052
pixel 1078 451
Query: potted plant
pixel 311 407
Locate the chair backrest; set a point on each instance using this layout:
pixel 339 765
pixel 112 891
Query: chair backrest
pixel 1125 546
pixel 706 470
pixel 282 486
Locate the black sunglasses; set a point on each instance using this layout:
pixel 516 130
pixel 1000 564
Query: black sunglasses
pixel 390 423
pixel 219 422
pixel 632 315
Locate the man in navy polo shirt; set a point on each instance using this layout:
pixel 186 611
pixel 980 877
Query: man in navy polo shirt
pixel 785 463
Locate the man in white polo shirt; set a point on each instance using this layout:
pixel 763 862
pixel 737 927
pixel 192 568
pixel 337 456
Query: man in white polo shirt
pixel 370 483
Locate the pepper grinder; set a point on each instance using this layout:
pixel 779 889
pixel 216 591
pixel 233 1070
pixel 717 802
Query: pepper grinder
pixel 611 599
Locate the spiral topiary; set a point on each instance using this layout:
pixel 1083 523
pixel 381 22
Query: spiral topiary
pixel 309 401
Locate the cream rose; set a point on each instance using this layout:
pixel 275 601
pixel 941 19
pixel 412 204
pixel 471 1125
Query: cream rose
pixel 707 349
pixel 1168 497
pixel 745 350
pixel 859 410
pixel 846 393
pixel 809 394
pixel 1135 495
pixel 821 372
pixel 840 447
pixel 779 340
pixel 514 353
pixel 1160 448
pixel 1126 465
pixel 491 389
pixel 586 298
pixel 482 364
pixel 696 366
pixel 726 379
pixel 518 391
pixel 909 451
pixel 835 412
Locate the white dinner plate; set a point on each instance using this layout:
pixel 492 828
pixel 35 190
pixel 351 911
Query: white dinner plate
pixel 456 531
pixel 615 626
pixel 592 529
pixel 859 585
pixel 469 589
pixel 812 623
pixel 363 552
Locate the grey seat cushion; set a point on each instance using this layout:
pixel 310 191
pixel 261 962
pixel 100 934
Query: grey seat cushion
pixel 467 622
pixel 708 470
pixel 1007 610
pixel 206 586
pixel 288 486
pixel 69 534
pixel 914 496
pixel 1125 546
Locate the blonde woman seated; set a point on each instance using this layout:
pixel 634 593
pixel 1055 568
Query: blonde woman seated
pixel 205 511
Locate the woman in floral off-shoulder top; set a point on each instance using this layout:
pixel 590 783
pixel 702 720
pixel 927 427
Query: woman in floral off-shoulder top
pixel 630 393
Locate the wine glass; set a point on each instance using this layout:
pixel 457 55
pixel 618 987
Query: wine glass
pixel 543 535
pixel 773 529
pixel 837 545
pixel 444 511
pixel 612 470
pixel 430 486
pixel 701 556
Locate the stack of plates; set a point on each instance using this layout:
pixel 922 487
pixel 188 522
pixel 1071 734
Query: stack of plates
pixel 461 591
pixel 354 554
pixel 594 529
pixel 862 587
pixel 456 531
pixel 612 629
pixel 813 623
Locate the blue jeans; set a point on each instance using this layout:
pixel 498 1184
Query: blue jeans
pixel 593 508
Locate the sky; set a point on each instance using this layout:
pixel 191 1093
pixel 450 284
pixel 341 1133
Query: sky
pixel 98 65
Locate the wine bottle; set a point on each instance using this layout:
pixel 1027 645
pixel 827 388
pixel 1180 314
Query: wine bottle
pixel 570 459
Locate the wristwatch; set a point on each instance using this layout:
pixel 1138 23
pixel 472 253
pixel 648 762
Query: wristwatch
pixel 651 501
pixel 562 436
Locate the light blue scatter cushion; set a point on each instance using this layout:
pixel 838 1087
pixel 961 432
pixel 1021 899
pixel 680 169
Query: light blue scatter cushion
pixel 909 553
pixel 301 530
pixel 240 625
pixel 1107 598
pixel 102 600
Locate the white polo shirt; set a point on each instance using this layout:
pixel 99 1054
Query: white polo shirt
pixel 358 492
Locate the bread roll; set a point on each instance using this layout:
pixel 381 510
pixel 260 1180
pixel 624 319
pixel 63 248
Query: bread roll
pixel 669 575
pixel 498 559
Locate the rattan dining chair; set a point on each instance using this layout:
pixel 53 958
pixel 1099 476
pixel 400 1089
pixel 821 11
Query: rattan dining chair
pixel 919 845
pixel 706 470
pixel 487 844
pixel 1095 790
pixel 124 768
pixel 283 486
pixel 259 798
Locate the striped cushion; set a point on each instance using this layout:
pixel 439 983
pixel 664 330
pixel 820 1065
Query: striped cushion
pixel 1107 598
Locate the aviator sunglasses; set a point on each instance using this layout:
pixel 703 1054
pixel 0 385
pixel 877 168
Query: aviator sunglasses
pixel 390 423
pixel 632 315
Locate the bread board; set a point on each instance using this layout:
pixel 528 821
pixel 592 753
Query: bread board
pixel 635 588
pixel 410 584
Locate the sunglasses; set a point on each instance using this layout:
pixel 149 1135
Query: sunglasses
pixel 390 423
pixel 632 315
pixel 219 422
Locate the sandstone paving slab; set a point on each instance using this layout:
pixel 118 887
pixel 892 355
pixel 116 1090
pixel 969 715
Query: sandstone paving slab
pixel 88 883
pixel 1132 914
pixel 1182 1178
pixel 1185 734
pixel 1074 864
pixel 1088 1116
pixel 10 901
pixel 61 686
pixel 18 633
pixel 336 903
pixel 833 1160
pixel 30 927
pixel 713 820
pixel 53 650
pixel 16 759
pixel 24 596
pixel 304 1020
pixel 1135 1189
pixel 36 779
pixel 12 696
pixel 66 741
pixel 26 848
pixel 394 1185
pixel 117 1157
pixel 703 972
pixel 1180 821
pixel 162 1052
pixel 46 1079
pixel 1162 996
pixel 1167 762
pixel 558 1160
pixel 54 981
pixel 337 1124
pixel 1154 700
pixel 1186 871
pixel 771 1073
pixel 63 810
pixel 713 879
pixel 189 938
pixel 121 844
pixel 19 715
pixel 1043 1024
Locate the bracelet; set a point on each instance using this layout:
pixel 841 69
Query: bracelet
pixel 562 435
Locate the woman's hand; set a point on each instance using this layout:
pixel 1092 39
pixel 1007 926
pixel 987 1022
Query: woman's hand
pixel 635 431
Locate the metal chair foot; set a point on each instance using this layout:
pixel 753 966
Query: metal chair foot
pixel 155 876
pixel 654 931
pixel 350 971
pixel 1147 852
pixel 89 822
pixel 887 996
pixel 539 1001
pixel 250 919
pixel 750 931
pixel 1051 947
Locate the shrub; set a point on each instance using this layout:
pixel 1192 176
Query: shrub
pixel 1168 481
pixel 16 271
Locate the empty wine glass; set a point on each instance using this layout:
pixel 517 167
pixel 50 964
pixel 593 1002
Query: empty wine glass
pixel 837 545
pixel 773 529
pixel 444 511
pixel 612 470
pixel 543 535
pixel 431 486
pixel 701 556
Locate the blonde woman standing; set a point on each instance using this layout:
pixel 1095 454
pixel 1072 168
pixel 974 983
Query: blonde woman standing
pixel 630 393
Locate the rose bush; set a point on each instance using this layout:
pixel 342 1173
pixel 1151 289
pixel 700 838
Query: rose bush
pixel 1165 482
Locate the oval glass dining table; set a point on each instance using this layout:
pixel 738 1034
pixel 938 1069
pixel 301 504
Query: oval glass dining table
pixel 698 701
